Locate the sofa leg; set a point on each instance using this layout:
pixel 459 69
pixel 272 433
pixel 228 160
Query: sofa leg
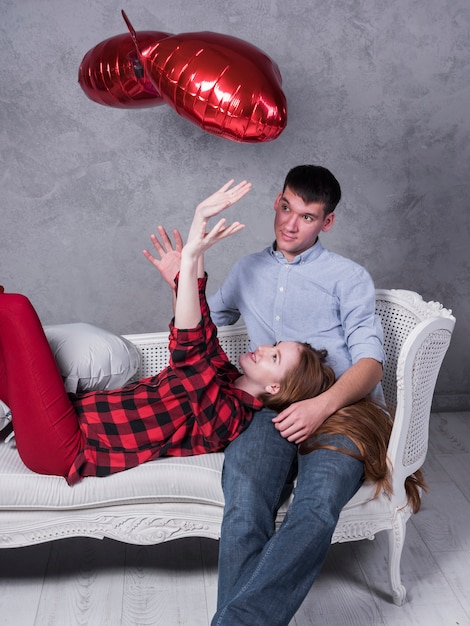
pixel 396 541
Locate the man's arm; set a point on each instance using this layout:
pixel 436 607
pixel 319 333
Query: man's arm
pixel 223 315
pixel 300 420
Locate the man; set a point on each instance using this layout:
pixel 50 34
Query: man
pixel 294 289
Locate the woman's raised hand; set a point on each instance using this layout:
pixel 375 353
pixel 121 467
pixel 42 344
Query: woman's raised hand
pixel 188 308
pixel 170 256
pixel 198 239
pixel 223 198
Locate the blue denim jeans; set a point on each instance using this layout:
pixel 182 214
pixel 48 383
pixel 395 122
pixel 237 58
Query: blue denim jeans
pixel 265 575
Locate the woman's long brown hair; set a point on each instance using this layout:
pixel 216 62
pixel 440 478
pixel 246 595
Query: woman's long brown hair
pixel 366 423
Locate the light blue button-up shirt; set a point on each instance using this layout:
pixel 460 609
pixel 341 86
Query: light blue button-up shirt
pixel 320 297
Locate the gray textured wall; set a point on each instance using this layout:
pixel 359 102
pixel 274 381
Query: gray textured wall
pixel 377 91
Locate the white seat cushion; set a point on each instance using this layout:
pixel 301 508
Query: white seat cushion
pixel 187 479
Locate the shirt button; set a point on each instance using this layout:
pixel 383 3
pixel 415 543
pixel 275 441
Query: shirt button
pixel 278 317
pixel 281 288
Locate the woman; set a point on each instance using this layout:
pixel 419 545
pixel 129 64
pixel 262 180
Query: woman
pixel 198 404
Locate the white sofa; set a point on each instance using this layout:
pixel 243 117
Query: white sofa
pixel 180 497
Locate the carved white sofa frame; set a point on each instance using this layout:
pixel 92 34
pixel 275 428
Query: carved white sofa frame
pixel 180 497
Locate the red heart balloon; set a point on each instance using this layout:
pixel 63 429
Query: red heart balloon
pixel 111 73
pixel 223 84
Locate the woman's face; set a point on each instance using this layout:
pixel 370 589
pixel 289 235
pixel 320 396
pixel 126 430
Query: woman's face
pixel 269 364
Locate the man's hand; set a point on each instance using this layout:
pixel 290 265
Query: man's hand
pixel 170 257
pixel 301 419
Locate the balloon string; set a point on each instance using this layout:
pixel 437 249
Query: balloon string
pixel 131 30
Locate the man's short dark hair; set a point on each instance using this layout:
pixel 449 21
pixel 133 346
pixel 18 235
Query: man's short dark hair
pixel 314 183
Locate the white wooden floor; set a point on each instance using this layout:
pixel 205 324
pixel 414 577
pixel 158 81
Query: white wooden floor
pixel 97 583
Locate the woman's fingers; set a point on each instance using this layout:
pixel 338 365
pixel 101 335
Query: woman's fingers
pixel 221 231
pixel 223 198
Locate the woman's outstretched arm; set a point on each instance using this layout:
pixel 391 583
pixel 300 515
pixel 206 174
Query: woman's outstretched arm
pixel 187 308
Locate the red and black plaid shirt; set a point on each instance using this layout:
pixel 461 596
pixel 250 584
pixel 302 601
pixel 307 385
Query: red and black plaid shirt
pixel 189 408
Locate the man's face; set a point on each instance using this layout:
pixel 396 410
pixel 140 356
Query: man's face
pixel 297 224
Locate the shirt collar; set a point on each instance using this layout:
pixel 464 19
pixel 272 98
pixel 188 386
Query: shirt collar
pixel 305 257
